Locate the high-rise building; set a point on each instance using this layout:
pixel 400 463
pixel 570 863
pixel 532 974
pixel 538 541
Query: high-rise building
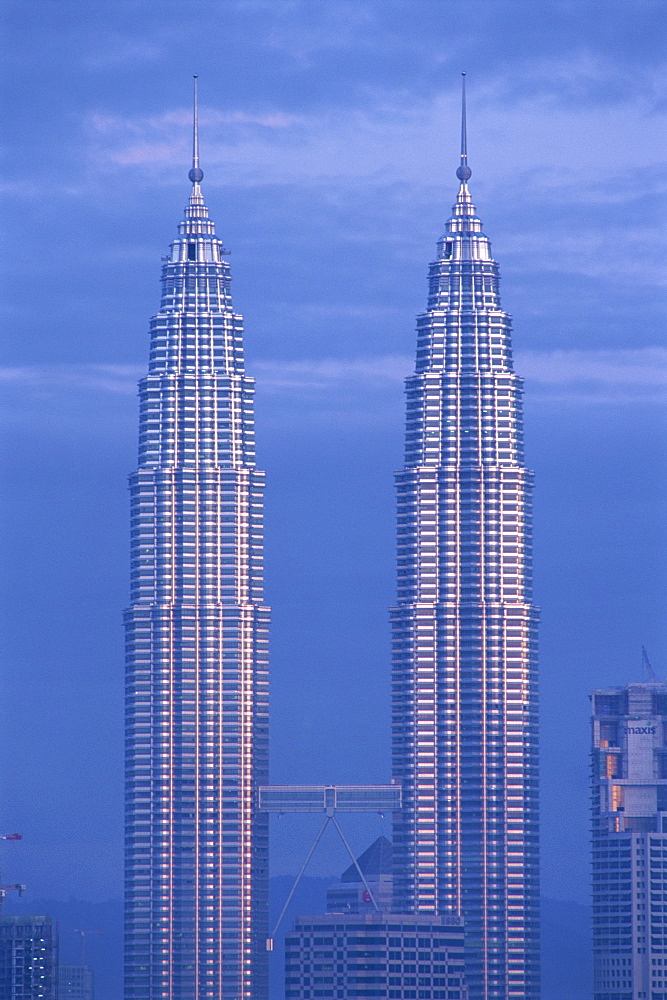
pixel 465 741
pixel 629 813
pixel 28 958
pixel 76 982
pixel 196 630
pixel 386 955
pixel 351 894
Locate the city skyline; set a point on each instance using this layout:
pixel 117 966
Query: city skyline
pixel 589 377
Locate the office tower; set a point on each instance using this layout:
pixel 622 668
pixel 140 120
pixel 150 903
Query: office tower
pixel 197 683
pixel 465 742
pixel 76 982
pixel 386 955
pixel 629 828
pixel 351 895
pixel 28 958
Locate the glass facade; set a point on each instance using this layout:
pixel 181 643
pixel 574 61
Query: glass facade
pixel 629 823
pixel 196 648
pixel 465 740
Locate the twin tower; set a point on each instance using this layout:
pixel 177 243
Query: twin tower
pixel 464 711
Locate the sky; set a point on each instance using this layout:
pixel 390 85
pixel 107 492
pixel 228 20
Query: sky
pixel 329 142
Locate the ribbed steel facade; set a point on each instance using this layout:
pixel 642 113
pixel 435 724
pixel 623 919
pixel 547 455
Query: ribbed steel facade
pixel 465 628
pixel 197 632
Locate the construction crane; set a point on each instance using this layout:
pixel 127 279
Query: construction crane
pixel 17 886
pixel 83 943
pixel 647 666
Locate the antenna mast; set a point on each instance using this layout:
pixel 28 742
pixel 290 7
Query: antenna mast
pixel 196 174
pixel 464 172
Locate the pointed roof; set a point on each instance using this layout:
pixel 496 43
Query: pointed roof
pixel 464 205
pixel 375 861
pixel 196 222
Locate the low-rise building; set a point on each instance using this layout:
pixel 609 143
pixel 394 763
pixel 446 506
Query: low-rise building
pixel 76 982
pixel 363 955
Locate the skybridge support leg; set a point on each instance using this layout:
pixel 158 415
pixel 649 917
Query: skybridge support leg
pixel 355 863
pixel 269 941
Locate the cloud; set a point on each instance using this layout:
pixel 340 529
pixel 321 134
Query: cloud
pixel 119 50
pixel 601 377
pixel 563 156
pixel 122 126
pixel 337 27
pixel 642 367
pixel 305 377
pixel 547 138
pixel 570 170
pixel 52 380
pixel 610 251
pixel 620 377
pixel 163 139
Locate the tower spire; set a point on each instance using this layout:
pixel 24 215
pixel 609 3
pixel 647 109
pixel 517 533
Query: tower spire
pixel 196 174
pixel 463 172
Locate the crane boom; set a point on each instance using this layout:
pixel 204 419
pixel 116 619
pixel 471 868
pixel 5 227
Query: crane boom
pixel 647 665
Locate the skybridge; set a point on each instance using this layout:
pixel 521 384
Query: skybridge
pixel 328 800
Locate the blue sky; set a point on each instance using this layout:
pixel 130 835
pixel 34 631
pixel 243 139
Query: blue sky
pixel 329 134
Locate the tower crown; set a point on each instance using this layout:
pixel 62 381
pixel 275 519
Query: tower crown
pixel 196 222
pixel 464 238
pixel 196 240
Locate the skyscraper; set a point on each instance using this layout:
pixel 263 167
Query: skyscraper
pixel 464 625
pixel 196 632
pixel 28 958
pixel 629 813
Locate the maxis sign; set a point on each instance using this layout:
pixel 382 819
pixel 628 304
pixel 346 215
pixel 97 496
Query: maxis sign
pixel 640 729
